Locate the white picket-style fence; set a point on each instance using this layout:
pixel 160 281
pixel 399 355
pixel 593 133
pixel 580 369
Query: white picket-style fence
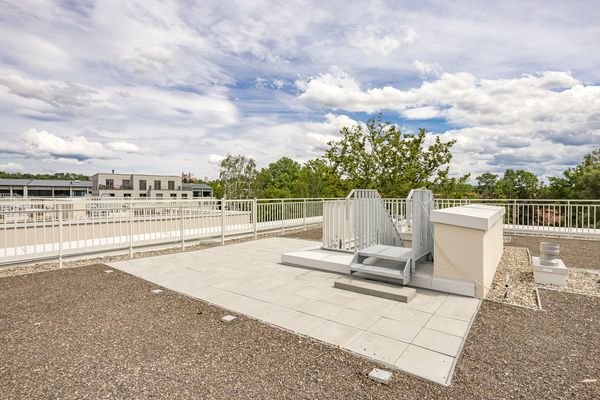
pixel 34 229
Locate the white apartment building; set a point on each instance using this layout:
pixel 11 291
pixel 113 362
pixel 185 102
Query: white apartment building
pixel 138 185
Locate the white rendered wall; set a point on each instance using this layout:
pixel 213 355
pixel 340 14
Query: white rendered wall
pixel 467 253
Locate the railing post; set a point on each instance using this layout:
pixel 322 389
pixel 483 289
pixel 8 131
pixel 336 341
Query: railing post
pixel 570 227
pixel 182 226
pixel 514 219
pixel 131 229
pixel 60 236
pixel 282 218
pixel 304 214
pixel 254 216
pixel 222 221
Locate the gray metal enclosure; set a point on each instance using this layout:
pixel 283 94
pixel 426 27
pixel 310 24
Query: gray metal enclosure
pixel 420 203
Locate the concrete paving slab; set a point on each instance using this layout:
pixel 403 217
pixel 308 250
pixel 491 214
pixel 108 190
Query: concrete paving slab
pixel 448 325
pixel 313 293
pixel 291 301
pixel 458 307
pixel 426 364
pixel 399 330
pixel 302 323
pixel 271 313
pixel 400 312
pixel 372 305
pixel 335 333
pixel 441 342
pixel 355 318
pixel 427 301
pixel 341 299
pixel 305 301
pixel 320 309
pixel 378 347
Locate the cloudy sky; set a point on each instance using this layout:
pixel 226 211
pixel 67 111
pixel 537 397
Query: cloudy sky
pixel 171 86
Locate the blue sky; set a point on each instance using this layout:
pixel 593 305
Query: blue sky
pixel 171 86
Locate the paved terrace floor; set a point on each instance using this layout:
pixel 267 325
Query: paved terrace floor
pixel 423 337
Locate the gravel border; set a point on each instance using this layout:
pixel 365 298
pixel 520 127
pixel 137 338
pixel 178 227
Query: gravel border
pixel 514 264
pixel 579 281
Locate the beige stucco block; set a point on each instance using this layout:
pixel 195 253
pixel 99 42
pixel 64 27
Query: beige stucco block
pixel 468 245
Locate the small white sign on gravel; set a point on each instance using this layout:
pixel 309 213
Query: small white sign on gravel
pixel 228 318
pixel 381 376
pixel 156 291
pixel 109 271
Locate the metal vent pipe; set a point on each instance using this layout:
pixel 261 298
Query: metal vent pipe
pixel 549 253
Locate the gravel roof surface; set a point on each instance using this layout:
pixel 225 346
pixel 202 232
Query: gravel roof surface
pixel 83 333
pixel 315 234
pixel 576 253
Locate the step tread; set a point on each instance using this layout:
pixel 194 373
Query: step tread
pixel 377 289
pixel 387 252
pixel 377 270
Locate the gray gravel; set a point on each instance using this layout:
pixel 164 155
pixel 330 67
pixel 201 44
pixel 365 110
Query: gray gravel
pixel 515 265
pixel 585 282
pixel 576 253
pixel 82 333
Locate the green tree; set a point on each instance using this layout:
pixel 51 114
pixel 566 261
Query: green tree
pixel 281 179
pixel 487 185
pixel 518 184
pixel 318 179
pixel 453 188
pixel 238 177
pixel 67 176
pixel 580 182
pixel 379 156
pixel 217 187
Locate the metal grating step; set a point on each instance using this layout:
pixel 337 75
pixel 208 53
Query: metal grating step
pixel 378 271
pixel 393 264
pixel 387 252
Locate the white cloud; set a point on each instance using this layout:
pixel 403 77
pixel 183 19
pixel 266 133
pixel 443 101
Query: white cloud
pixel 215 159
pixel 427 70
pixel 54 93
pixel 45 145
pixel 149 59
pixel 514 120
pixel 124 147
pixel 377 41
pixel 11 167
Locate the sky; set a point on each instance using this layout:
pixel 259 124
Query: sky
pixel 171 86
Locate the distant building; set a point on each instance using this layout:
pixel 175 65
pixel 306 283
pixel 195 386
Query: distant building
pixel 44 188
pixel 136 185
pixel 199 189
pixel 107 185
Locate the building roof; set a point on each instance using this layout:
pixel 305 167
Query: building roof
pixel 196 186
pixel 135 174
pixel 45 183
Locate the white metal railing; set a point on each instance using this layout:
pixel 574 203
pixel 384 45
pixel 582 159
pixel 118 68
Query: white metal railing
pixel 545 216
pixel 31 230
pixel 359 221
pixel 34 228
pixel 420 203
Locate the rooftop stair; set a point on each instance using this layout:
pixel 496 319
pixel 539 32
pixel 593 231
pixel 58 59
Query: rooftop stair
pixel 390 263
